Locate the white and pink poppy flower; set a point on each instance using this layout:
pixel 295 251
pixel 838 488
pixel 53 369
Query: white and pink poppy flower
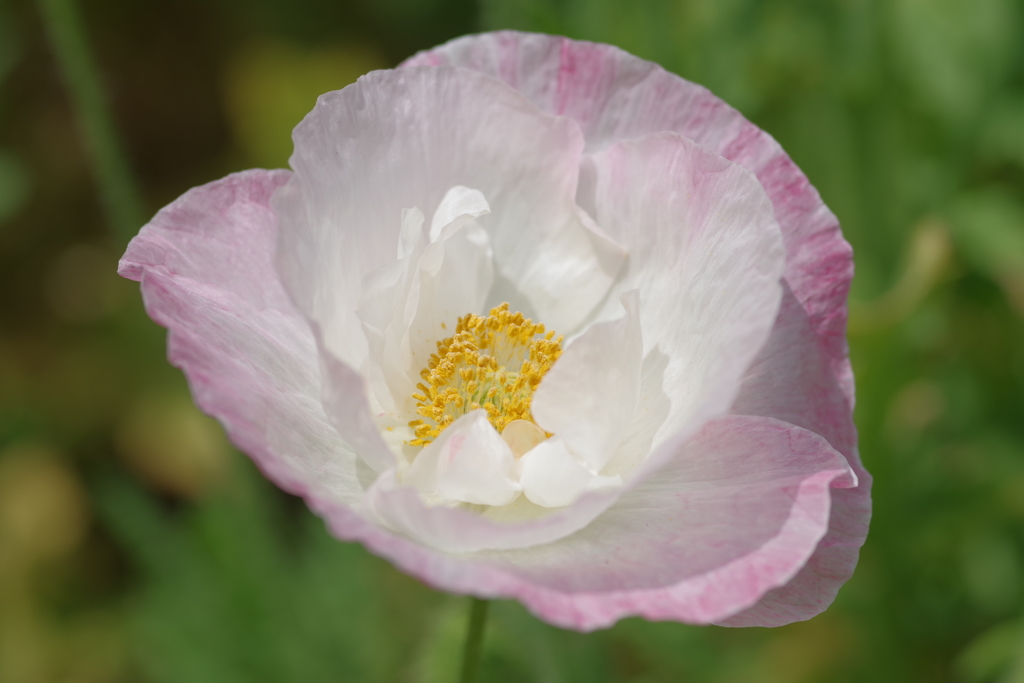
pixel 533 318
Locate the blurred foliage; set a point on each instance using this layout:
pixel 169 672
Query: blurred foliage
pixel 271 86
pixel 135 545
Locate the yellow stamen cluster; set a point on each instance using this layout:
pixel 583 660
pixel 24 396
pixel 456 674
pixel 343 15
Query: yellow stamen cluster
pixel 493 362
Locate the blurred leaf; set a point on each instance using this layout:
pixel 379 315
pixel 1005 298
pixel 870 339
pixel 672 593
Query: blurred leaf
pixel 954 52
pixel 171 445
pixel 989 227
pixel 14 183
pixel 271 86
pixel 992 572
pixel 439 657
pixel 928 256
pixel 1003 136
pixel 991 652
pixel 11 44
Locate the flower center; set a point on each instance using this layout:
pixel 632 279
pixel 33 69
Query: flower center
pixel 493 362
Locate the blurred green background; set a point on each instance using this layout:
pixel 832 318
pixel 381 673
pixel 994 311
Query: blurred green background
pixel 136 545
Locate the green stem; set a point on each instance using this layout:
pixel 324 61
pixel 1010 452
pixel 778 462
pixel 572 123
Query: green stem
pixel 118 191
pixel 474 639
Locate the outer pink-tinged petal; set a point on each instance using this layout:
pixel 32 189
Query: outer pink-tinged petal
pixel 814 588
pixel 400 139
pixel 738 513
pixel 792 380
pixel 705 254
pixel 251 360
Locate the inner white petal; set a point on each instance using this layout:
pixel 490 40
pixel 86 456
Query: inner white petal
pixel 551 476
pixel 460 204
pixel 410 303
pixel 590 395
pixel 468 463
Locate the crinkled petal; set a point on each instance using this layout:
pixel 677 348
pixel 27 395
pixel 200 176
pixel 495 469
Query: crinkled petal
pixel 814 588
pixel 205 263
pixel 706 256
pixel 589 396
pixel 792 380
pixel 383 310
pixel 400 139
pixel 468 463
pixel 737 514
pixel 384 290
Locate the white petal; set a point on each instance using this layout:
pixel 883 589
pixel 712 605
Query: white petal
pixel 344 395
pixel 559 265
pixel 552 477
pixel 589 396
pixel 384 290
pixel 410 304
pixel 458 203
pixel 411 238
pixel 468 463
pixel 384 298
pixel 457 530
pixel 458 286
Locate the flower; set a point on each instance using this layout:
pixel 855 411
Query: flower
pixel 533 318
